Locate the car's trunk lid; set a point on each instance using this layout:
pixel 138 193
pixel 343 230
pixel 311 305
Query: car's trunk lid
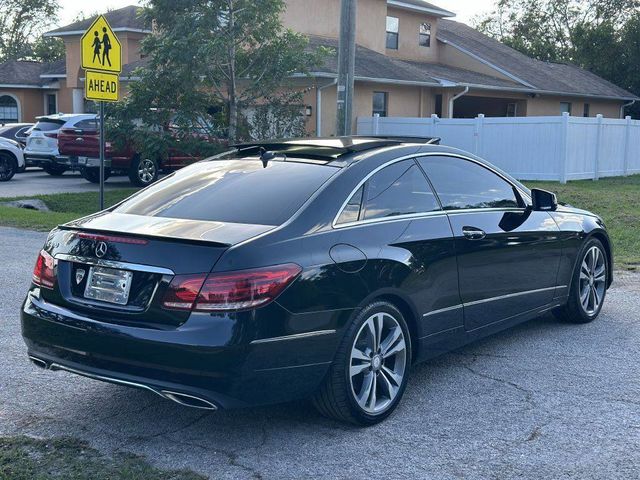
pixel 117 267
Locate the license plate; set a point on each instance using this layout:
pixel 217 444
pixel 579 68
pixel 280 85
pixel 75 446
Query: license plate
pixel 108 285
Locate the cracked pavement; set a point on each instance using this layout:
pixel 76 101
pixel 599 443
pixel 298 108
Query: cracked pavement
pixel 542 400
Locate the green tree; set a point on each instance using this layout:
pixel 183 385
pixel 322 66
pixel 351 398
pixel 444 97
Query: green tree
pixel 551 30
pixel 210 65
pixel 22 23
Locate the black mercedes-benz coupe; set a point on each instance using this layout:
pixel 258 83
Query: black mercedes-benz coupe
pixel 314 268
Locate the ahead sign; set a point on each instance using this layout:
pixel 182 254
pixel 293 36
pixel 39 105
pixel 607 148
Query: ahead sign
pixel 100 48
pixel 101 86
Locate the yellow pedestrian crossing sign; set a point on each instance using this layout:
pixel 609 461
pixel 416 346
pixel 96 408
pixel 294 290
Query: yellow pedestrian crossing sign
pixel 100 48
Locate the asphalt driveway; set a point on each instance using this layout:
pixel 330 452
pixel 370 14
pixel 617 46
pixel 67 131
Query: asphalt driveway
pixel 543 400
pixel 38 182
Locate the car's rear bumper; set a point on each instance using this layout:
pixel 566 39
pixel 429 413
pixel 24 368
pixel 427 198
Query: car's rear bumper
pixel 202 358
pixel 42 159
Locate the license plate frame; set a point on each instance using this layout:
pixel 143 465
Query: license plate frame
pixel 108 285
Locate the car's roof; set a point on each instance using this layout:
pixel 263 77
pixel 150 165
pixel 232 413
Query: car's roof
pixel 67 116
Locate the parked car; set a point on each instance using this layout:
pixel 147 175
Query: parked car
pixel 11 159
pixel 318 268
pixel 42 143
pixel 81 142
pixel 16 131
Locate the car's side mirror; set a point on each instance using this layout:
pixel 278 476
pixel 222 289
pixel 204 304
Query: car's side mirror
pixel 543 201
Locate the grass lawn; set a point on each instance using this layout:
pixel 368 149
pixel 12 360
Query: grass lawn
pixel 25 458
pixel 64 208
pixel 617 200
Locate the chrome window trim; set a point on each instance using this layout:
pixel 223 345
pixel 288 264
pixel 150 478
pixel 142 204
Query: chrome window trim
pixel 113 264
pixel 415 156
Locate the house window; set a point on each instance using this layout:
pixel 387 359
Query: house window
pixel 51 104
pixel 565 107
pixel 380 103
pixel 8 109
pixel 512 109
pixel 587 109
pixel 393 27
pixel 425 35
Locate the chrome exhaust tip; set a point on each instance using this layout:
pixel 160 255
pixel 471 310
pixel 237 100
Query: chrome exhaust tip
pixel 188 400
pixel 39 362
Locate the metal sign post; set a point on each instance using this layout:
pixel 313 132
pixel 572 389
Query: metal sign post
pixel 101 155
pixel 101 54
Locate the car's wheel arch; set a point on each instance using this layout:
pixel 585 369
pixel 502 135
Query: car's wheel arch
pixel 10 154
pixel 606 243
pixel 403 303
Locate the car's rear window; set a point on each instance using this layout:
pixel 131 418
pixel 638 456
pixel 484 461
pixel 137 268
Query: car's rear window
pixel 48 125
pixel 235 191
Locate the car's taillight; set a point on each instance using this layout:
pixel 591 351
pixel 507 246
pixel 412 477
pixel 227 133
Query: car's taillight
pixel 227 291
pixel 44 272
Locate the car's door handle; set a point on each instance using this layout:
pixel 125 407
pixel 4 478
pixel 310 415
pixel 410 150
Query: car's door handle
pixel 473 233
pixel 79 139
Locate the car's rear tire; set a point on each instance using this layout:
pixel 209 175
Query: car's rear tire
pixel 143 171
pixel 55 170
pixel 588 286
pixel 369 374
pixel 92 174
pixel 8 166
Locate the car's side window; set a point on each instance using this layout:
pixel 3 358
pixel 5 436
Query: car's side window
pixel 399 189
pixel 463 184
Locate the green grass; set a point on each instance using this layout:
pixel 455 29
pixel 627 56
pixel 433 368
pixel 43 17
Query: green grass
pixel 64 208
pixel 617 201
pixel 25 458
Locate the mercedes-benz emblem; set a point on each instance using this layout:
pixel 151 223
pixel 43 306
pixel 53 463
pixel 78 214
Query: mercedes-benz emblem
pixel 101 249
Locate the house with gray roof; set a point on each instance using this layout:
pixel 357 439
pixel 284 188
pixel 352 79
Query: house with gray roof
pixel 412 60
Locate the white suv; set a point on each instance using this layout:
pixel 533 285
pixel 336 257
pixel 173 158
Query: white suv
pixel 11 159
pixel 42 144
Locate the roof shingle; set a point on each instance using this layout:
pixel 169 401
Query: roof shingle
pixel 533 74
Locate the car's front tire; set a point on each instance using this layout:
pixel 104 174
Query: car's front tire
pixel 8 166
pixel 588 285
pixel 369 374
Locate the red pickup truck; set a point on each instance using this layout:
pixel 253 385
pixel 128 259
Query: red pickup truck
pixel 81 145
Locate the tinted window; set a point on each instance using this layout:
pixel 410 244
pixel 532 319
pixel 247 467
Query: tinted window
pixel 91 124
pixel 351 212
pixel 48 124
pixel 462 184
pixel 235 191
pixel 399 189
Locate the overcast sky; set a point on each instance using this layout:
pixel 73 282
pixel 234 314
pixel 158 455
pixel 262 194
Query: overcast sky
pixel 465 9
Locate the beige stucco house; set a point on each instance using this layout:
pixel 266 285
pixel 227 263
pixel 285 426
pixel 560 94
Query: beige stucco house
pixel 411 60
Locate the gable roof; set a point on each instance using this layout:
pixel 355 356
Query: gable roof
pixel 56 69
pixel 127 19
pixel 531 74
pixel 421 6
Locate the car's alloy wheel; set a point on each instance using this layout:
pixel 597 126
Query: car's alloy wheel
pixel 147 170
pixel 593 280
pixel 8 167
pixel 378 362
pixel 369 374
pixel 589 285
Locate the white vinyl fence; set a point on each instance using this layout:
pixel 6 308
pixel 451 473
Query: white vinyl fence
pixel 531 148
